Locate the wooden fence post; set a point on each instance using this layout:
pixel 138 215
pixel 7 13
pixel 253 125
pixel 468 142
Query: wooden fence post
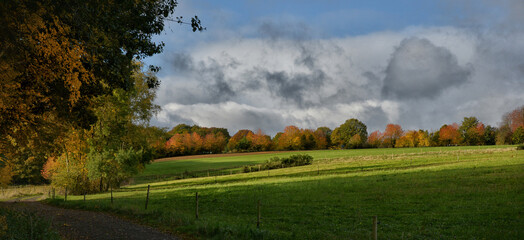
pixel 258 217
pixel 65 196
pixel 374 227
pixel 53 193
pixel 147 196
pixel 196 205
pixel 84 196
pixel 111 194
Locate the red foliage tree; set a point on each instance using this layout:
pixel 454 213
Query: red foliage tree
pixel 391 134
pixel 375 139
pixel 449 135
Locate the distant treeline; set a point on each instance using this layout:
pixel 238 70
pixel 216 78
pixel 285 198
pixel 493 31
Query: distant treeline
pixel 188 140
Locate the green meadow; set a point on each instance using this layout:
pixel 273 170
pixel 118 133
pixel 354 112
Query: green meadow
pixel 416 193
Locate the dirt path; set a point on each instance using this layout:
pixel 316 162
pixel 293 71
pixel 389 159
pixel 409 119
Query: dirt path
pixel 79 224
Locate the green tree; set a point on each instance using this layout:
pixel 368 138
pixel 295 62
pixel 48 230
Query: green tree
pixel 117 149
pixel 518 135
pixel 342 135
pixel 468 131
pixel 490 135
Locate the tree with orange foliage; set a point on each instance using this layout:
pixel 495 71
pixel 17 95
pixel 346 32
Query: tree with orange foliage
pixel 260 141
pixel 290 139
pixel 214 143
pixel 375 139
pixel 449 135
pixel 241 141
pixel 514 119
pixel 322 137
pixel 510 123
pixel 391 134
pixel 409 139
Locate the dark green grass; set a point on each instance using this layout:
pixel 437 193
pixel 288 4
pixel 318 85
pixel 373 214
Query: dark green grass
pixel 24 225
pixel 454 194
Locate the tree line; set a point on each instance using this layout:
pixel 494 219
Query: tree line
pixel 186 140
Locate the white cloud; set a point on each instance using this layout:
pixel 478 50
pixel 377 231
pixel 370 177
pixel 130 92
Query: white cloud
pixel 270 82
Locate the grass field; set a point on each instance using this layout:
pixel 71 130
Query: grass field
pixel 219 165
pixel 418 193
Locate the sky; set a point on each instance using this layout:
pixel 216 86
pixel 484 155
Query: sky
pixel 269 64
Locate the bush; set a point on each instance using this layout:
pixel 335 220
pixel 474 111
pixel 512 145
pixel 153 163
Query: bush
pixel 520 147
pixel 297 160
pixel 276 162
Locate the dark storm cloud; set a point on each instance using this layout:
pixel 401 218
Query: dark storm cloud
pixel 213 87
pixel 294 87
pixel 181 62
pixel 374 118
pixel 232 116
pixel 419 69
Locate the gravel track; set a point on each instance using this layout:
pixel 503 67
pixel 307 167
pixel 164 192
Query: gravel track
pixel 81 224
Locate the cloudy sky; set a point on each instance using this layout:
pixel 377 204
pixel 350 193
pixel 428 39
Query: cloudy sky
pixel 268 64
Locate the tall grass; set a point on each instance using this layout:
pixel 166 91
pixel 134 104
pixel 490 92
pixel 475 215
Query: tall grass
pixel 24 226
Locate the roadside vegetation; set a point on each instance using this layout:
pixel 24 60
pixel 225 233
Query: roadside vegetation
pixel 24 225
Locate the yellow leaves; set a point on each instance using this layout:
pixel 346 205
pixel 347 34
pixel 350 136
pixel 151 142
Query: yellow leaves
pixel 6 174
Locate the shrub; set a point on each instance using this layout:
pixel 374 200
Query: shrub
pixel 297 160
pixel 520 147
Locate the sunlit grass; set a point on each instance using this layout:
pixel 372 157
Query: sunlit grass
pixel 424 193
pixel 20 192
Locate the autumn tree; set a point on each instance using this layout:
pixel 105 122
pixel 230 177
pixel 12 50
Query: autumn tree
pixel 514 119
pixel 57 60
pixel 322 137
pixel 241 140
pixel 194 139
pixel 6 172
pixel 260 141
pixel 414 138
pixel 343 134
pixel 510 123
pixel 290 139
pixel 449 135
pixel 392 133
pixel 375 139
